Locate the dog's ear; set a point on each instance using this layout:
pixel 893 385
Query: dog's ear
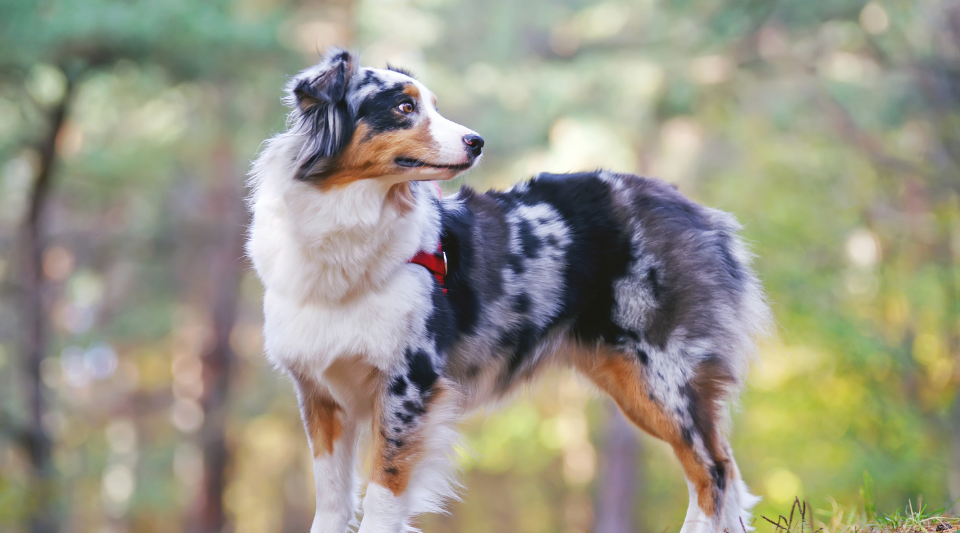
pixel 319 94
pixel 327 82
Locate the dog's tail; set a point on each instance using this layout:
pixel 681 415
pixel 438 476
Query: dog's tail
pixel 753 319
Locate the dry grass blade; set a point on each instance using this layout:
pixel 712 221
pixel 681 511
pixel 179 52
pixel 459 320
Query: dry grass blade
pixel 909 520
pixel 804 524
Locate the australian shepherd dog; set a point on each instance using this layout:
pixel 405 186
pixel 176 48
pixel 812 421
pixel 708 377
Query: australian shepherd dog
pixel 397 311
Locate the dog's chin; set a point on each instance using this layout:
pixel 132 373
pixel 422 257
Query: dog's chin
pixel 418 169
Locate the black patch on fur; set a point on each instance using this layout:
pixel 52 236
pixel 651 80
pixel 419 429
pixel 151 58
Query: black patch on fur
pixel 370 77
pixel 644 358
pixel 518 343
pixel 654 283
pixel 399 386
pixel 457 243
pixel 441 324
pixel 515 262
pixel 391 470
pixel 413 408
pixel 529 242
pixel 420 371
pixel 404 417
pixel 719 474
pixel 599 252
pixel 521 304
pixel 379 111
pixel 687 436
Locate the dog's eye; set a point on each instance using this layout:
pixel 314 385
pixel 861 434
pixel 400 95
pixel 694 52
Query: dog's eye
pixel 406 108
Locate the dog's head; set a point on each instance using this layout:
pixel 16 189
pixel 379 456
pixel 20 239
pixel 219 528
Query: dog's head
pixel 362 123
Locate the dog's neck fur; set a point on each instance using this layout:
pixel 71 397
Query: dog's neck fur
pixel 328 246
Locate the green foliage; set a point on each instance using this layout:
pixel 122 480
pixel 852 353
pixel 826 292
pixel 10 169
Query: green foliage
pixel 827 127
pixel 168 33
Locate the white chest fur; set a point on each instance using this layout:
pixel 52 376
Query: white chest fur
pixel 374 325
pixel 334 264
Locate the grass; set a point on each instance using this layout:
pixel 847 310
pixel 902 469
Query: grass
pixel 801 519
pixel 919 519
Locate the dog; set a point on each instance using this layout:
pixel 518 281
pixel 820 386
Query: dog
pixel 398 311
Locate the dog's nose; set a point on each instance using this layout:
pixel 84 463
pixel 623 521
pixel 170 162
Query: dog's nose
pixel 474 143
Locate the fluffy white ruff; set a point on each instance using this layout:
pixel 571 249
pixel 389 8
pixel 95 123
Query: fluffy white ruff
pixel 334 263
pixel 312 245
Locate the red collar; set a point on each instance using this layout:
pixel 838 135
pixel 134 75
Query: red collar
pixel 435 262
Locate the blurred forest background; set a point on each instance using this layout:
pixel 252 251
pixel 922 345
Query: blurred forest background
pixel 133 392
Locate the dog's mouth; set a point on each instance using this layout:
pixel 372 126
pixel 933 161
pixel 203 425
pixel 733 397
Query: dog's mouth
pixel 410 162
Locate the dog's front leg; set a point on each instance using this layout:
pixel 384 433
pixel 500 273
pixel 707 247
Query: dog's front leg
pixel 332 433
pixel 411 434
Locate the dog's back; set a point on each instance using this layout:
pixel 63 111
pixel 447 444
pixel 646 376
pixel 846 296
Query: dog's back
pixel 591 260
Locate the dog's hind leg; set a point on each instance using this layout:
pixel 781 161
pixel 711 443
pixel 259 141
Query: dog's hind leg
pixel 332 433
pixel 413 431
pixel 688 418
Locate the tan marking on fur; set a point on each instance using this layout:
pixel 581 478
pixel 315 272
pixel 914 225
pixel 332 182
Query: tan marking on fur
pixel 369 158
pixel 412 91
pixel 354 379
pixel 321 415
pixel 620 377
pixel 711 381
pixel 392 467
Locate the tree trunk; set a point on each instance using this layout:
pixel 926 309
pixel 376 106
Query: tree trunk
pixel 43 516
pixel 225 262
pixel 620 476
